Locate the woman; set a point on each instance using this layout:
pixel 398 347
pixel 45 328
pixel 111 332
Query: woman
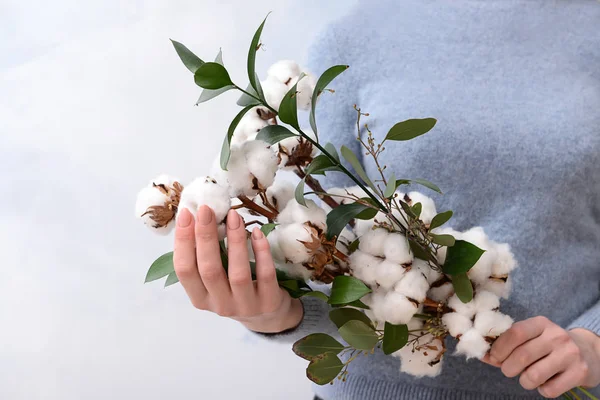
pixel 515 86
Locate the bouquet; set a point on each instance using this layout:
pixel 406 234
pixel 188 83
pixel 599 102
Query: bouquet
pixel 400 279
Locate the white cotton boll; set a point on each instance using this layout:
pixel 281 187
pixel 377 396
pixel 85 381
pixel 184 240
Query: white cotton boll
pixel 296 271
pixel 274 245
pixel 222 231
pixel 274 91
pixel 413 285
pixel 396 308
pixel 284 71
pixel 396 249
pixel 372 242
pixel 163 179
pixel 238 174
pixel 466 309
pixel 492 323
pixel 430 274
pixel 280 193
pixel 249 126
pixel 149 197
pixel 486 301
pixel 428 210
pixel 441 253
pixel 388 274
pixel 363 226
pixel 472 345
pixel 305 89
pixel 457 324
pixel 482 269
pixel 290 241
pixel 420 361
pixel 415 323
pixel 364 266
pixel 347 192
pixel 372 317
pixel 262 162
pixel 500 287
pixel 295 212
pixel 206 191
pixel 441 293
pixel 505 261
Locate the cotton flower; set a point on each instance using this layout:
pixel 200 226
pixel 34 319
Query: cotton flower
pixel 472 345
pixel 261 161
pixel 157 204
pixel 252 166
pixel 441 293
pixel 422 359
pixel 482 269
pixel 457 324
pixel 295 212
pixel 304 89
pixel 250 124
pixel 430 274
pixel 393 307
pixel 274 91
pixel 466 309
pixel 296 271
pixel 364 266
pixel 486 301
pixel 222 231
pixel 296 151
pixel 206 191
pixel 373 242
pixel 428 210
pixel 396 249
pixel 292 239
pixel 505 261
pixel 388 274
pixel 347 192
pixel 499 286
pixel 274 245
pixel 492 323
pixel 413 285
pixel 280 193
pixel 284 71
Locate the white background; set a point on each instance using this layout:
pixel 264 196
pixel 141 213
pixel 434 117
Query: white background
pixel 93 103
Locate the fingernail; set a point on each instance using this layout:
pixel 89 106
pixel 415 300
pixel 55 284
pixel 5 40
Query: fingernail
pixel 204 215
pixel 233 220
pixel 184 219
pixel 257 234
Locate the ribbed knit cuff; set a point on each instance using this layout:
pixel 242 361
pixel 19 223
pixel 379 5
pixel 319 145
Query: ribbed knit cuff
pixel 589 320
pixel 315 320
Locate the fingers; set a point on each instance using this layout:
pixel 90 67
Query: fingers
pixel 184 260
pixel 518 334
pixel 240 277
pixel 561 383
pixel 487 359
pixel 209 262
pixel 526 354
pixel 538 373
pixel 266 276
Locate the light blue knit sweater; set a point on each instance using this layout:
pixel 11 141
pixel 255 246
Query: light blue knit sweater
pixel 515 86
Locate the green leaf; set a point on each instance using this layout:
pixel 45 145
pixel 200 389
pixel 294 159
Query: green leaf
pixel 427 184
pixel 440 219
pixel 410 129
pixel 402 182
pixel 212 76
pixel 189 59
pixel 353 160
pixel 340 316
pixel 444 240
pixel 346 289
pixel 208 94
pixel 353 246
pixel 274 134
pixel 324 80
pixel 161 267
pixel 395 337
pixel 252 76
pixel 225 151
pixel 246 100
pixel 320 164
pixel 267 228
pixel 324 368
pixel 359 335
pixel 355 303
pixel 463 287
pixel 369 213
pixel 390 189
pixel 317 294
pixel 299 193
pixel 316 344
pixel 461 257
pixel 288 109
pixel 330 148
pixel 407 209
pixel 340 216
pixel 416 209
pixel 171 279
pixel 418 251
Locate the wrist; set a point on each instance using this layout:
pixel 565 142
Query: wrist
pixel 589 343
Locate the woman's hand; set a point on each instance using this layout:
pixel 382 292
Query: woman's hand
pixel 547 357
pixel 261 306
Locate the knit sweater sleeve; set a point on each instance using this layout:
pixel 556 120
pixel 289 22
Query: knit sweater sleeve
pixel 589 320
